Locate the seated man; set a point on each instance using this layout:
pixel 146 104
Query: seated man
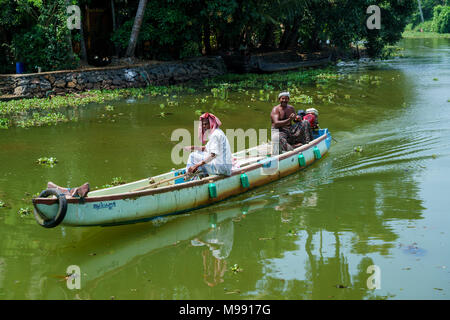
pixel 285 135
pixel 215 157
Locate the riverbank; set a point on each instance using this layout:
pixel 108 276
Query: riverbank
pixel 424 35
pixel 104 86
pixel 39 85
pixel 51 110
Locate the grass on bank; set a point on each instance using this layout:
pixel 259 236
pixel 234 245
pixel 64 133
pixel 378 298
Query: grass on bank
pixel 424 35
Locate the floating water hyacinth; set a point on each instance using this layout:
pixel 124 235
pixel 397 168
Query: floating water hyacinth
pixel 302 98
pixel 358 149
pixel 109 108
pixel 50 162
pixel 24 211
pixel 4 123
pixel 221 91
pixel 235 268
pixel 117 181
pixel 38 120
pixel 2 204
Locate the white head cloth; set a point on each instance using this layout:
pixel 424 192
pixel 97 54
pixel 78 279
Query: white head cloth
pixel 312 110
pixel 284 94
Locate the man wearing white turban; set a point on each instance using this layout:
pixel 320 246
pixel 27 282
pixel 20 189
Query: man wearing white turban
pixel 285 135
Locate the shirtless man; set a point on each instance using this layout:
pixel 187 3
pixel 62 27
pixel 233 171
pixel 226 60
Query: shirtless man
pixel 285 136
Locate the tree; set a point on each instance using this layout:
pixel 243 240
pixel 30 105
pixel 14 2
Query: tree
pixel 136 28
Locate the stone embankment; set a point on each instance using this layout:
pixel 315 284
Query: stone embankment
pixel 62 82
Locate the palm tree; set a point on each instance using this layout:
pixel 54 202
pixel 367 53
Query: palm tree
pixel 136 28
pixel 420 9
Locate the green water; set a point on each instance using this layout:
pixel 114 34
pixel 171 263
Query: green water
pixel 311 235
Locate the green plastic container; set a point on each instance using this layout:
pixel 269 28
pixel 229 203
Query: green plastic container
pixel 244 181
pixel 301 160
pixel 317 154
pixel 212 190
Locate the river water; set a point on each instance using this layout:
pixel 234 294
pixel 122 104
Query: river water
pixel 367 224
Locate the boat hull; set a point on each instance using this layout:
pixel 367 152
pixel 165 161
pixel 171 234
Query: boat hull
pixel 131 207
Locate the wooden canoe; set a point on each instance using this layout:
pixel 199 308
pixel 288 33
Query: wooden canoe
pixel 123 204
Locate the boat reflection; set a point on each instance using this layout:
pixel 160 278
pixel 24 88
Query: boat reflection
pixel 115 247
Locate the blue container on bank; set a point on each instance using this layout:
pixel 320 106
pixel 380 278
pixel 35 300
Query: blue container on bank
pixel 20 67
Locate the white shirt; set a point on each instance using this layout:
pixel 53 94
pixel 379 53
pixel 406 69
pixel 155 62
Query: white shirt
pixel 219 145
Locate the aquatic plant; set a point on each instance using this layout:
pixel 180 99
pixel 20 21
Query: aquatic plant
pixel 302 98
pixel 266 81
pixel 18 112
pixel 38 120
pixel 221 91
pixel 4 123
pixel 117 181
pixel 235 268
pixel 2 204
pixel 50 162
pixel 390 52
pixel 24 211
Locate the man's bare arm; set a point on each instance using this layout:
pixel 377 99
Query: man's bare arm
pixel 275 115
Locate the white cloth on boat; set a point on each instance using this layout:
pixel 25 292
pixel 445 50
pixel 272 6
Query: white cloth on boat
pixel 219 145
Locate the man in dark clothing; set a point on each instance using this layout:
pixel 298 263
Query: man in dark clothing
pixel 285 135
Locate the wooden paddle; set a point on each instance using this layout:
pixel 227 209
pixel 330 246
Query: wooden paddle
pixel 154 184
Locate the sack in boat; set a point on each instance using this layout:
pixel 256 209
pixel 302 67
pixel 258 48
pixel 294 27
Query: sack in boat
pixel 81 191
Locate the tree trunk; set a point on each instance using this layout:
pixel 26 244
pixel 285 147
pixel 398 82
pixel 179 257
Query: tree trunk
pixel 136 28
pixel 82 42
pixel 285 38
pixel 69 37
pixel 268 41
pixel 420 9
pixel 113 17
pixel 292 39
pixel 207 37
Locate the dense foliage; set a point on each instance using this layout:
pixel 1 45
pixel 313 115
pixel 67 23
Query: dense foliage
pixel 435 14
pixel 441 19
pixel 35 32
pixel 181 28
